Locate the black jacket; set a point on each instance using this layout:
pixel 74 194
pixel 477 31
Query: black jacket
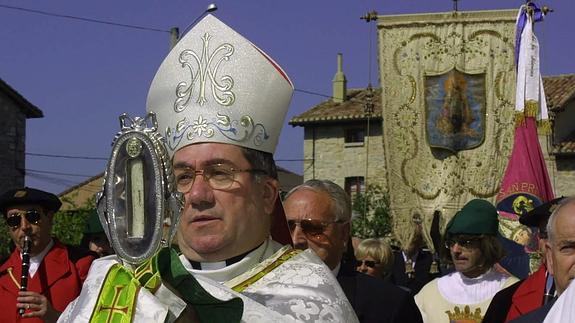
pixel 421 275
pixel 375 300
pixel 535 316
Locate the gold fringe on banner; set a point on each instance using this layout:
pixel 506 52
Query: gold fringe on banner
pixel 519 119
pixel 544 127
pixel 531 108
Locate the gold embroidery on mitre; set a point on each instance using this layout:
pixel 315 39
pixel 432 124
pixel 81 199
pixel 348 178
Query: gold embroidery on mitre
pixel 465 316
pixel 204 76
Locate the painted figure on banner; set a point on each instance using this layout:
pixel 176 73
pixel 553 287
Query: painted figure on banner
pixel 455 110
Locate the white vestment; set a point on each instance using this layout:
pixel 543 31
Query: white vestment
pixel 455 297
pixel 299 289
pixel 564 308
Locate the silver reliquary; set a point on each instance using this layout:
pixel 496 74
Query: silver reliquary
pixel 139 207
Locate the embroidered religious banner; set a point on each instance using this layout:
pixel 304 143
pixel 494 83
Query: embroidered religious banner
pixel 455 110
pixel 448 85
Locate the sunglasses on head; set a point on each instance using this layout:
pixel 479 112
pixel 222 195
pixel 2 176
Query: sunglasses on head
pixel 368 263
pixel 310 226
pixel 14 220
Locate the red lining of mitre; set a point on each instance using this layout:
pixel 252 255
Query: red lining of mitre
pixel 277 67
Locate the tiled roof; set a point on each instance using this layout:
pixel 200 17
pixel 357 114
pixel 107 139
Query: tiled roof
pixel 350 110
pixel 559 90
pixel 564 148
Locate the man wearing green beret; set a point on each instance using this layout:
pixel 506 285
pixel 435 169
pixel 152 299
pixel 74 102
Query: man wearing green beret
pixel 472 247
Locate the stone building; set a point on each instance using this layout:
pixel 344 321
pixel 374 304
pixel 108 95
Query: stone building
pixel 338 146
pixel 14 109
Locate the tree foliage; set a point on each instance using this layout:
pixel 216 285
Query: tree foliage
pixel 69 226
pixel 372 216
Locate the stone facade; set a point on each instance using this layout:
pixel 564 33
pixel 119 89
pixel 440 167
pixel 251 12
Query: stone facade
pixel 14 110
pixel 327 156
pixel 12 145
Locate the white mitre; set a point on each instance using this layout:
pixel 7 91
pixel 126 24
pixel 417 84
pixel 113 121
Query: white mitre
pixel 216 86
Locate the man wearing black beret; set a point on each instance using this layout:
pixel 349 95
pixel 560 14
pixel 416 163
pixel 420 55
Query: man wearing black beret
pixel 538 289
pixel 56 272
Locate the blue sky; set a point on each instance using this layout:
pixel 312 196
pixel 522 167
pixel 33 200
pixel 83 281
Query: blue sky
pixel 83 75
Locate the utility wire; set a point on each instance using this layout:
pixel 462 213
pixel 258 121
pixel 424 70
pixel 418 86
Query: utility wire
pixel 52 180
pixel 55 173
pixel 329 96
pixel 51 14
pixel 66 156
pixel 103 158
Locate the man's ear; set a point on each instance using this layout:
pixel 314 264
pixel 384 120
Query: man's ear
pixel 549 257
pixel 270 194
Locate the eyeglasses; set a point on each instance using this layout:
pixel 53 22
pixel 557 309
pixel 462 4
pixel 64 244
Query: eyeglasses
pixel 368 263
pixel 14 220
pixel 464 242
pixel 310 226
pixel 218 176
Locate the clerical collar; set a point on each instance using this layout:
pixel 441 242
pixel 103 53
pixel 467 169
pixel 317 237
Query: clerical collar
pixel 215 265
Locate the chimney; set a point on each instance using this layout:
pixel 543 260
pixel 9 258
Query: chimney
pixel 339 82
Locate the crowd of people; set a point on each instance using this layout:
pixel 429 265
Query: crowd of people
pixel 229 265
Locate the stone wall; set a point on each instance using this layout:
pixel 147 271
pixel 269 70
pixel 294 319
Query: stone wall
pixel 12 144
pixel 328 157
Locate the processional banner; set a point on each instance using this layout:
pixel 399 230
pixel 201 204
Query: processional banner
pixel 448 83
pixel 526 184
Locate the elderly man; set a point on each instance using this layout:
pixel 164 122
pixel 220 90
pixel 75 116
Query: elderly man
pixel 55 271
pixel 537 289
pixel 220 103
pixel 474 250
pixel 560 256
pixel 319 215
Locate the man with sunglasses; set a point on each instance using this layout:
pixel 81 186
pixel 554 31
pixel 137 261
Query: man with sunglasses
pixel 56 272
pixel 536 290
pixel 474 250
pixel 319 215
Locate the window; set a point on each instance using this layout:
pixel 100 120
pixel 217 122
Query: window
pixel 354 185
pixel 354 137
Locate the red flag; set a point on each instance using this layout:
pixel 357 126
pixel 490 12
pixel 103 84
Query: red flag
pixel 525 184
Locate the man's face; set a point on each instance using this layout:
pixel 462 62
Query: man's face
pixel 466 255
pixel 329 245
pixel 39 233
pixel 560 248
pixel 219 224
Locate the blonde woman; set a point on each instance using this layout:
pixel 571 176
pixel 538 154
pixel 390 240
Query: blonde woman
pixel 374 258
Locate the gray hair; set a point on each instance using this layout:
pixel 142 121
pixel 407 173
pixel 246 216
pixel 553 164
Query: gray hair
pixel 551 223
pixel 341 202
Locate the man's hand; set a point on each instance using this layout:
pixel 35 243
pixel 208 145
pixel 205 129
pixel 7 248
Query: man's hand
pixel 36 305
